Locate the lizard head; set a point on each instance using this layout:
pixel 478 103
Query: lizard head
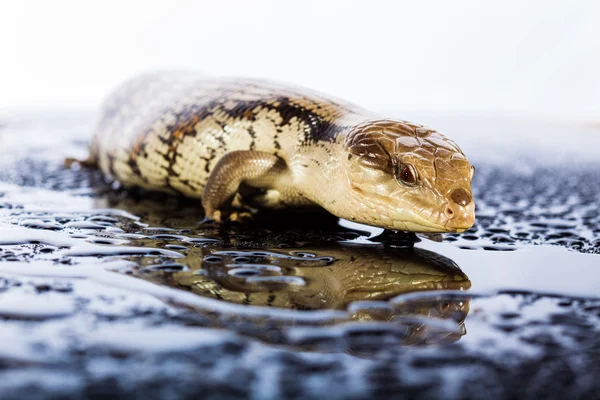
pixel 406 177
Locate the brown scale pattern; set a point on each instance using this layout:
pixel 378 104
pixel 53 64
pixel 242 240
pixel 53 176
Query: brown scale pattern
pixel 169 131
pixel 382 143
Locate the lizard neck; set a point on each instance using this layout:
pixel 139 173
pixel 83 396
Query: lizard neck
pixel 317 165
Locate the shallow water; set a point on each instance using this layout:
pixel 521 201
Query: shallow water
pixel 104 292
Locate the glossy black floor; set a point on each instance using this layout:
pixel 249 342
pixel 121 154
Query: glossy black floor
pixel 78 321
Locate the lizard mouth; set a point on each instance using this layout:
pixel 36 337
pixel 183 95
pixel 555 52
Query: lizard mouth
pixel 410 219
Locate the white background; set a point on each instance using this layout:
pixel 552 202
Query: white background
pixel 538 59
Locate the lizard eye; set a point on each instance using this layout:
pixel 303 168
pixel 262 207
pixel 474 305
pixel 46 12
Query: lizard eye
pixel 406 174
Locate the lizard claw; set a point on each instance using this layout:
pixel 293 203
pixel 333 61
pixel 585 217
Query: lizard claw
pixel 211 218
pixel 218 217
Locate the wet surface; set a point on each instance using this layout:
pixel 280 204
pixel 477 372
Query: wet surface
pixel 104 292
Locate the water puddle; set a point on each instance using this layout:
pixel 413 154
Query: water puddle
pixel 96 283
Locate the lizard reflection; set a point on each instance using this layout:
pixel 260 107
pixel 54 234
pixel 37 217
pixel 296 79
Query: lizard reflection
pixel 357 278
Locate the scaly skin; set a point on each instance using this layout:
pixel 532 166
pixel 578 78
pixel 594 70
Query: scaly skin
pixel 251 142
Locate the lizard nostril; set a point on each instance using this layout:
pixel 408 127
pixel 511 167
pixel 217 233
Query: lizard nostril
pixel 449 213
pixel 461 197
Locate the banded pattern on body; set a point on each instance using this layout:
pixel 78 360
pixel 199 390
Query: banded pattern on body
pixel 169 131
pixel 172 131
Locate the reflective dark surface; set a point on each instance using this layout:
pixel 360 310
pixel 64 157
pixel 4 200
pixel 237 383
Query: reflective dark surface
pixel 119 294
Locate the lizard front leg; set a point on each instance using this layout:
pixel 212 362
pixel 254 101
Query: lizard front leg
pixel 255 168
